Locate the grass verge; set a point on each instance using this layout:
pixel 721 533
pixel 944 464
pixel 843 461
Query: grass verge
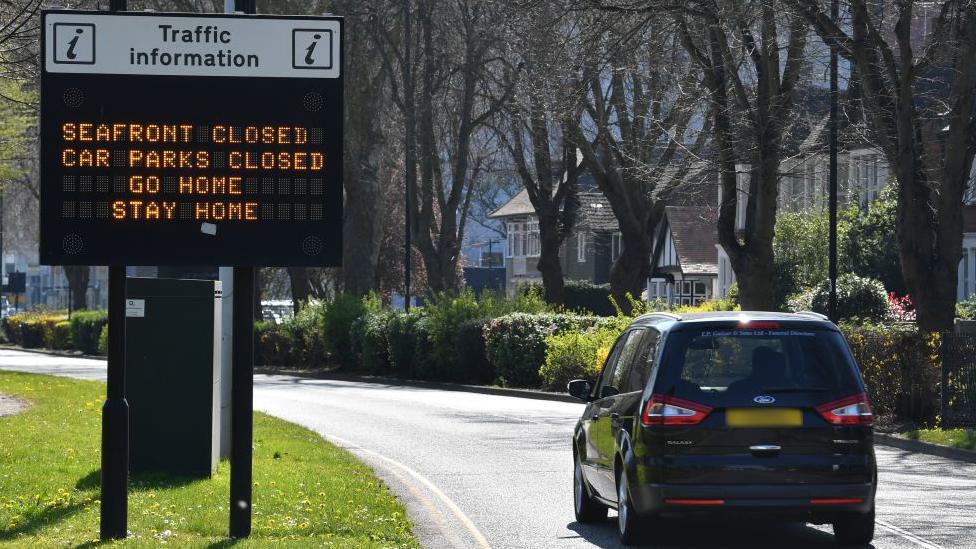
pixel 307 492
pixel 954 438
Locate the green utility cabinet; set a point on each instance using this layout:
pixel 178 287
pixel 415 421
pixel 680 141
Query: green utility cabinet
pixel 172 353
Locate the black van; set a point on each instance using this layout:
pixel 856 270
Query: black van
pixel 724 413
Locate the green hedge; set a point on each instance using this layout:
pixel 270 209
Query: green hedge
pixel 58 336
pixel 578 354
pixel 103 341
pixel 857 297
pixel 588 298
pixel 86 327
pixel 369 340
pixel 516 343
pixel 901 369
pixel 33 330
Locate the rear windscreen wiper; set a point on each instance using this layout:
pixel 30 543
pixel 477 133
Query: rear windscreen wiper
pixel 795 389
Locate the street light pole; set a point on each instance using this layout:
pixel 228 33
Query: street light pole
pixel 832 122
pixel 409 152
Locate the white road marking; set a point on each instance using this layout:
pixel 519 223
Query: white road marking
pixel 458 513
pixel 908 535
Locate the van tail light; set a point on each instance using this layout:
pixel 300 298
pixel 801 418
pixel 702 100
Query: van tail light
pixel 836 501
pixel 694 501
pixel 853 410
pixel 669 410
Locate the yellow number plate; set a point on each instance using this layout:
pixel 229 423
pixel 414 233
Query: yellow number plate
pixel 758 417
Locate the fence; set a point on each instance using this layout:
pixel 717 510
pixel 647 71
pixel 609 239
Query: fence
pixel 958 353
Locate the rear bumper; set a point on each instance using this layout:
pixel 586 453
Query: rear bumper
pixel 797 501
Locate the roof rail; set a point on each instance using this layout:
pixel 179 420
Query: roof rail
pixel 813 314
pixel 662 314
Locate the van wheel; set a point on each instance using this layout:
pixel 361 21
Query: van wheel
pixel 854 529
pixel 587 509
pixel 628 523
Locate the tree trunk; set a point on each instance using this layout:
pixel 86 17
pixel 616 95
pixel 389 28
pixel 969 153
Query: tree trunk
pixel 754 276
pixel 367 100
pixel 929 263
pixel 299 287
pixel 77 276
pixel 630 271
pixel 549 265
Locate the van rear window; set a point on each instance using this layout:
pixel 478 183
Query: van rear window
pixel 729 366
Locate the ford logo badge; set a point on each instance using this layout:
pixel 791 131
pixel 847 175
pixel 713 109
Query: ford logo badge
pixel 764 399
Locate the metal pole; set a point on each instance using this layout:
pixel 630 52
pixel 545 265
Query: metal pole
pixel 115 417
pixel 115 413
pixel 407 86
pixel 242 387
pixel 832 251
pixel 242 402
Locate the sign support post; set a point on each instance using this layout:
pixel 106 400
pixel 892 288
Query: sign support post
pixel 114 510
pixel 242 387
pixel 242 403
pixel 115 418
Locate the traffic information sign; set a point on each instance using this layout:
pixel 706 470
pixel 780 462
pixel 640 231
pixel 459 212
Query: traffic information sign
pixel 170 139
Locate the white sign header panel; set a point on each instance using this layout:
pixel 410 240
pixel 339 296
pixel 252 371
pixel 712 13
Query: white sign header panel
pixel 192 46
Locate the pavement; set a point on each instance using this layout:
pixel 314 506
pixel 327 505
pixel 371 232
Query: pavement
pixel 481 470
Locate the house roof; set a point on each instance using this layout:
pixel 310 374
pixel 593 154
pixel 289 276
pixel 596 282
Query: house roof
pixel 695 234
pixel 596 214
pixel 517 205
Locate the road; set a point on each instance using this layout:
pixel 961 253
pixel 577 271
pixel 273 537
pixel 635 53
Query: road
pixel 482 471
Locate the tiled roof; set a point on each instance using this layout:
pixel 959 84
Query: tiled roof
pixel 695 234
pixel 595 213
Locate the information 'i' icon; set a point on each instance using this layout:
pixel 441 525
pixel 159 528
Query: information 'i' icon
pixel 309 60
pixel 74 43
pixel 312 49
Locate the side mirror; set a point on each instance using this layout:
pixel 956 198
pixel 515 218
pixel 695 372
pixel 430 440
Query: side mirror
pixel 580 388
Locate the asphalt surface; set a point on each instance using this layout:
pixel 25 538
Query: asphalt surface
pixel 481 470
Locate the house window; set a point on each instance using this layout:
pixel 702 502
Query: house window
pixel 581 247
pixel 533 246
pixel 868 175
pixel 690 292
pixel 523 239
pixel 616 246
pixel 742 180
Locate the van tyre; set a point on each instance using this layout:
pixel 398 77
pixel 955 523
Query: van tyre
pixel 587 509
pixel 628 522
pixel 854 529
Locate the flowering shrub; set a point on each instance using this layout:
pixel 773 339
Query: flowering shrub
pixel 578 354
pixel 901 309
pixel 901 369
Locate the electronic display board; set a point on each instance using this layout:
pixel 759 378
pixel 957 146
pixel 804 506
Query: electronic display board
pixel 179 139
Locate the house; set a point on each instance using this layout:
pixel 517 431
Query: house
pixel 586 254
pixel 684 264
pixel 862 173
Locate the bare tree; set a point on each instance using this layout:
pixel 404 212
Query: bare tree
pixel 642 124
pixel 739 47
pixel 918 95
pixel 366 128
pixel 444 63
pixel 532 131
